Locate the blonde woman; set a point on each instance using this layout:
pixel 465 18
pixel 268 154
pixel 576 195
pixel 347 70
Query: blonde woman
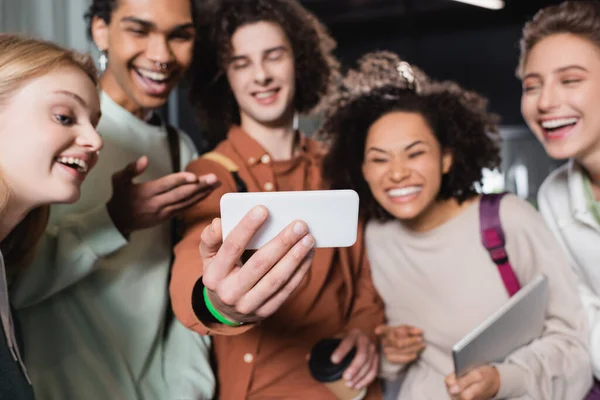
pixel 49 108
pixel 560 72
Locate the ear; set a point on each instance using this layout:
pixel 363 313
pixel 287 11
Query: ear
pixel 100 33
pixel 447 161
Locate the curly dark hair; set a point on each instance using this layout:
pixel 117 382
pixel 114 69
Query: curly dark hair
pixel 103 9
pixel 210 94
pixel 581 18
pixel 458 118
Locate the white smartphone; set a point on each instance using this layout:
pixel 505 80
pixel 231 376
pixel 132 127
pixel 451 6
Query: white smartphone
pixel 331 215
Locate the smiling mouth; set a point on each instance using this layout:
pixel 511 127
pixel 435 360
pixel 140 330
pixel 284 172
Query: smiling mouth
pixel 405 191
pixel 77 164
pixel 558 126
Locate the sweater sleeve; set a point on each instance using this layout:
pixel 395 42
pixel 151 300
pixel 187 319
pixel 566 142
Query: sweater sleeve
pixel 69 250
pixel 186 279
pixel 557 365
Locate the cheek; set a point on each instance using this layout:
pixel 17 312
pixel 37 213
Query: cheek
pixel 183 54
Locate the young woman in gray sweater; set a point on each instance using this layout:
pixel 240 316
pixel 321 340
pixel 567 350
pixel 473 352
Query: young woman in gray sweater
pixel 415 150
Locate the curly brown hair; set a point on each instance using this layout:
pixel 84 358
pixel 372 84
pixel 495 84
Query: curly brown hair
pixel 210 94
pixel 581 18
pixel 458 118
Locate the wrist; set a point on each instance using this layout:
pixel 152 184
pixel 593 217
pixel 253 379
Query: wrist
pixel 216 313
pixel 114 216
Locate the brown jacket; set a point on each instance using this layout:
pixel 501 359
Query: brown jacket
pixel 269 360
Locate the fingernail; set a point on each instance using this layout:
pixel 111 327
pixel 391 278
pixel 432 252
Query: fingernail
pixel 191 178
pixel 210 179
pixel 308 241
pixel 454 389
pixel 258 213
pixel 299 228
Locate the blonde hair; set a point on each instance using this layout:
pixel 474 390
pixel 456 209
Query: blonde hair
pixel 581 18
pixel 21 60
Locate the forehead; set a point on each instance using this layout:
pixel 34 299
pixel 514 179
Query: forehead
pixel 560 50
pixel 258 37
pixel 159 12
pixel 67 78
pixel 397 128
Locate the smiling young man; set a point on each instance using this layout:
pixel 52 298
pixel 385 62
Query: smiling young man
pixel 94 303
pixel 262 61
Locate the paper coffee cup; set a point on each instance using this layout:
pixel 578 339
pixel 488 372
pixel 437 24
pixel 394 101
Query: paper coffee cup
pixel 330 374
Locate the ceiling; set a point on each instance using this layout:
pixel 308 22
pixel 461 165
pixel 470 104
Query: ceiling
pixel 420 14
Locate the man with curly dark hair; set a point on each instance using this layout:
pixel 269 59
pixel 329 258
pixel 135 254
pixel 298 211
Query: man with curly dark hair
pixel 263 61
pixel 414 151
pixel 95 300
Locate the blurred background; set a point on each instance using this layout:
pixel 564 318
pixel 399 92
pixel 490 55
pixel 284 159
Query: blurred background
pixel 472 45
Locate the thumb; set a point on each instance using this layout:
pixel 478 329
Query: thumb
pixel 415 331
pixel 133 169
pixel 381 330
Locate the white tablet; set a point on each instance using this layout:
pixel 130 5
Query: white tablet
pixel 517 323
pixel 331 215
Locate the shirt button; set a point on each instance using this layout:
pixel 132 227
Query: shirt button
pixel 248 358
pixel 269 186
pixel 265 159
pixel 251 160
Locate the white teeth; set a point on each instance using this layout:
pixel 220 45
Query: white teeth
pixel 78 163
pixel 405 191
pixel 558 123
pixel 264 95
pixel 155 76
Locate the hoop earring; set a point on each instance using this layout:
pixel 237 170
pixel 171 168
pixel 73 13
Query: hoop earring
pixel 103 60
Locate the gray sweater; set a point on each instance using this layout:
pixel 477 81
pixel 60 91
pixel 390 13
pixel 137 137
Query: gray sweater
pixel 444 282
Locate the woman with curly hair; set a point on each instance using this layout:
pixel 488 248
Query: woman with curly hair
pixel 414 151
pixel 560 72
pixel 261 62
pixel 49 109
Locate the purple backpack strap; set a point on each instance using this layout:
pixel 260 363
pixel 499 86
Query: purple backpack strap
pixel 492 237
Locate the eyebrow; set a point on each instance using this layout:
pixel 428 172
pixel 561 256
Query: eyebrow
pixel 152 25
pixel 264 52
pixel 413 144
pixel 72 95
pixel 561 69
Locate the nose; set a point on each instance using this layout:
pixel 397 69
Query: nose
pixel 89 139
pixel 158 49
pixel 399 171
pixel 548 98
pixel 262 75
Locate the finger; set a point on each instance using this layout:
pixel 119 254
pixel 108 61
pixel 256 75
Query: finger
pixel 272 253
pixel 275 279
pixel 401 358
pixel 473 391
pixel 450 381
pixel 373 369
pixel 415 331
pixel 131 170
pixel 172 210
pixel 365 367
pixel 170 182
pixel 211 240
pixel 408 350
pixel 279 298
pixel 403 343
pixel 406 345
pixel 469 379
pixel 344 347
pixel 233 246
pixel 361 343
pixel 381 330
